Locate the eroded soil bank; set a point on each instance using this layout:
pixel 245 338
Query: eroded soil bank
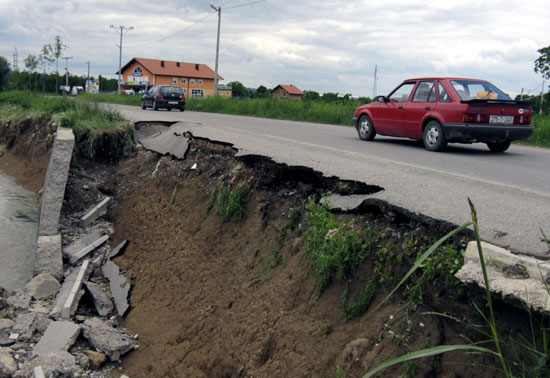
pixel 215 298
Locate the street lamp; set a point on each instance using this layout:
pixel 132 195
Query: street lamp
pixel 219 10
pixel 122 30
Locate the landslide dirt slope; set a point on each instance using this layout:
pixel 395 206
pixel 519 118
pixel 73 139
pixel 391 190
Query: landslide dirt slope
pixel 211 300
pixel 208 300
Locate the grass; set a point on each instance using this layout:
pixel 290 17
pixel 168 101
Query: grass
pixel 230 202
pixel 98 132
pixel 541 135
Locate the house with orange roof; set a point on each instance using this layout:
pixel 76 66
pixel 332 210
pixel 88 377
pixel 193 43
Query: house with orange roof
pixel 287 91
pixel 197 80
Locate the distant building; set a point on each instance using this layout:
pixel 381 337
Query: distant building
pixel 287 91
pixel 197 80
pixel 225 90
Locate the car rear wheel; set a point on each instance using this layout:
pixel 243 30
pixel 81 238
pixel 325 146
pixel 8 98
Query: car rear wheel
pixel 499 146
pixel 434 137
pixel 365 128
pixel 155 106
pixel 182 109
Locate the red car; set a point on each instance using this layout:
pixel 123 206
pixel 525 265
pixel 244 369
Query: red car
pixel 445 110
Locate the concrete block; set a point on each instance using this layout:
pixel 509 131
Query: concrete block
pixel 55 182
pixel 64 293
pixel 73 297
pixel 114 342
pixel 38 372
pixel 94 213
pixel 59 336
pixel 42 286
pixel 73 258
pixel 49 258
pixel 516 279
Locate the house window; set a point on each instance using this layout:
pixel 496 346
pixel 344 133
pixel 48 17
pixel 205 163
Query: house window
pixel 192 81
pixel 174 80
pixel 200 81
pixel 197 93
pixel 183 80
pixel 184 90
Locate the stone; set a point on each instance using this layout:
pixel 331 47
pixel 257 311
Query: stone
pixel 519 280
pixel 56 364
pixel 103 305
pixel 19 300
pixel 42 286
pixel 6 324
pixel 55 182
pixel 25 325
pixel 48 257
pixel 97 359
pixel 119 285
pixel 39 372
pixel 97 211
pixel 8 366
pixel 59 336
pixel 111 341
pixel 64 293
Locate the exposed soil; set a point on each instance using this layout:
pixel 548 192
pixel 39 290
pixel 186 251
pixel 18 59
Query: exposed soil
pixel 209 300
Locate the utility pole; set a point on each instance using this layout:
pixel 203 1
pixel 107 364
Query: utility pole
pixel 219 10
pixel 66 69
pixel 374 90
pixel 541 97
pixel 123 29
pixel 15 60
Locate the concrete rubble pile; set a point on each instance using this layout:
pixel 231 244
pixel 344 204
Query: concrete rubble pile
pixel 45 330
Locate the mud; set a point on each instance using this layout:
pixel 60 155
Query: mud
pixel 208 299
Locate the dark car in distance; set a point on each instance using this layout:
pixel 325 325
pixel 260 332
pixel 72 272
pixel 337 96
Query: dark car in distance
pixel 164 96
pixel 441 110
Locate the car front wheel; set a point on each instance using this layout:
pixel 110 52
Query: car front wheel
pixel 499 146
pixel 155 106
pixel 365 128
pixel 434 137
pixel 143 104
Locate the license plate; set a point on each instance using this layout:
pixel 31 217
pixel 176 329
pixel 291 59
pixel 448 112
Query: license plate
pixel 502 120
pixel 173 102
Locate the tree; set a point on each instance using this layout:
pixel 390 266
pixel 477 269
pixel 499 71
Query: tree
pixel 54 52
pixel 542 64
pixel 4 72
pixel 310 96
pixel 31 63
pixel 238 89
pixel 262 92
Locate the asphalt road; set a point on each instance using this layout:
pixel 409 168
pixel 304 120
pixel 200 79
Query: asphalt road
pixel 510 190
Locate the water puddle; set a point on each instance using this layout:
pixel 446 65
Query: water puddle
pixel 18 233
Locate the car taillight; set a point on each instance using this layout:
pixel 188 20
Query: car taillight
pixel 160 96
pixel 474 118
pixel 523 119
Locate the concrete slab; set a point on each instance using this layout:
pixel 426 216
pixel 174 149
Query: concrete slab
pixel 55 182
pixel 49 258
pixel 73 258
pixel 59 336
pixel 118 249
pixel 95 212
pixel 103 305
pixel 119 285
pixel 517 279
pixel 164 139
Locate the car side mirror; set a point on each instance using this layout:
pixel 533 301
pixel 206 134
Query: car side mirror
pixel 381 99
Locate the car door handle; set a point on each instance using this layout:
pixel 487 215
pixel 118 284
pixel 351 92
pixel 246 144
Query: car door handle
pixel 400 107
pixel 427 108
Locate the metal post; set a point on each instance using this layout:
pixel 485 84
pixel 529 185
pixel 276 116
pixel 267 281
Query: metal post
pixel 122 29
pixel 541 97
pixel 66 69
pixel 219 10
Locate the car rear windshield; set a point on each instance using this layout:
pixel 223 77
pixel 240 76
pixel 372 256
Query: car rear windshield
pixel 171 90
pixel 480 90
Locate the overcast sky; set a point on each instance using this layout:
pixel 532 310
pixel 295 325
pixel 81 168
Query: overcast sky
pixel 326 46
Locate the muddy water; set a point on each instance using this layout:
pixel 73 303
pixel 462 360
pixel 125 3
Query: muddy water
pixel 18 233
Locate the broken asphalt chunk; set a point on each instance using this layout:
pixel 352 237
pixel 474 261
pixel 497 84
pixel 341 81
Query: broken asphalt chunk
pixel 102 303
pixel 119 285
pixel 111 341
